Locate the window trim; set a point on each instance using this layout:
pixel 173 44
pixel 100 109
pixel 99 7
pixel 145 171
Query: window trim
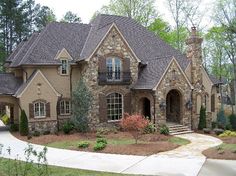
pixel 113 59
pixel 64 104
pixel 67 67
pixel 122 107
pixel 40 113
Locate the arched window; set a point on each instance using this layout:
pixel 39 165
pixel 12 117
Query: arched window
pixel 39 109
pixel 114 106
pixel 113 66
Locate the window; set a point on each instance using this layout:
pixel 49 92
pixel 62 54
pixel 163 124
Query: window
pixel 114 106
pixel 39 110
pixel 65 107
pixel 113 66
pixel 213 103
pixel 64 67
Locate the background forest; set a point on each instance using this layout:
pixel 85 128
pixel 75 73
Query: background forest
pixel 20 18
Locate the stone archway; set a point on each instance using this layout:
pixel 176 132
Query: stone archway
pixel 7 108
pixel 145 107
pixel 173 106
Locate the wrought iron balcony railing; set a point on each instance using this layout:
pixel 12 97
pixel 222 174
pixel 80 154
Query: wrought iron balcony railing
pixel 114 78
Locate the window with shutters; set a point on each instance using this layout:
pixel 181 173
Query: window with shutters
pixel 39 109
pixel 65 107
pixel 114 106
pixel 113 66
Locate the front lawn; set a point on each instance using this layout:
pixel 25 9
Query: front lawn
pixel 117 143
pixel 227 150
pixel 5 164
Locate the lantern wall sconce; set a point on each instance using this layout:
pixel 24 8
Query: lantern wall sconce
pixel 189 104
pixel 162 105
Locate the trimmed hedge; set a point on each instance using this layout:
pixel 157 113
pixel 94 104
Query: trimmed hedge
pixel 202 119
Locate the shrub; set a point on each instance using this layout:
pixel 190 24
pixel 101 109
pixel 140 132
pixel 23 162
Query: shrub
pixel 213 125
pixel 67 127
pixel 24 129
pixel 150 128
pixel 221 120
pixel 207 130
pixel 36 133
pixel 202 119
pixel 47 132
pixel 228 133
pixel 218 131
pixel 101 140
pixel 164 130
pixel 99 146
pixel 5 119
pixel 134 124
pixel 14 127
pixel 83 144
pixel 232 119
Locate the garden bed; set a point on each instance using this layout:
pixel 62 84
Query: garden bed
pixel 118 143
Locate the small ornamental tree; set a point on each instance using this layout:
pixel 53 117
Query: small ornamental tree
pixel 24 129
pixel 202 119
pixel 81 103
pixel 134 124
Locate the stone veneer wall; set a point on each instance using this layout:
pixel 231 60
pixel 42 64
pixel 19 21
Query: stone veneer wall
pixel 169 83
pixel 43 126
pixel 113 45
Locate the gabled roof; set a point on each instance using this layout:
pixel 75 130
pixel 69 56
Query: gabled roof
pixel 9 83
pixel 24 86
pixel 216 81
pixel 42 48
pixel 80 40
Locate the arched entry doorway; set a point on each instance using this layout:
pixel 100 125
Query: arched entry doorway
pixel 173 106
pixel 8 109
pixel 145 107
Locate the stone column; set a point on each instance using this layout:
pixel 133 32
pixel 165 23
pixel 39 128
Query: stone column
pixel 194 54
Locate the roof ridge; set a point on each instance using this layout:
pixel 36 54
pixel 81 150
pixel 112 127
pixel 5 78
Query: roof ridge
pixel 34 43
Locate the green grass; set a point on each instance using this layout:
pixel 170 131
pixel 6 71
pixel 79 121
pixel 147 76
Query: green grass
pixel 224 146
pixel 179 141
pixel 5 164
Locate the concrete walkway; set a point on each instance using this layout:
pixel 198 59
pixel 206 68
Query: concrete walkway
pixel 186 160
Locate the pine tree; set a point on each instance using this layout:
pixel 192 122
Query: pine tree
pixel 81 103
pixel 202 119
pixel 24 129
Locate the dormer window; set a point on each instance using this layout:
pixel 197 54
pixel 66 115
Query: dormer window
pixel 64 67
pixel 113 66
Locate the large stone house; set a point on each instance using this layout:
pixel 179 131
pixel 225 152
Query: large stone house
pixel 126 68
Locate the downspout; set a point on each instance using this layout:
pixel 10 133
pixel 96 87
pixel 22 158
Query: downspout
pixel 191 116
pixel 154 107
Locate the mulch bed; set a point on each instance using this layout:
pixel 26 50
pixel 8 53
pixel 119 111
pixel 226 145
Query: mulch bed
pixel 149 144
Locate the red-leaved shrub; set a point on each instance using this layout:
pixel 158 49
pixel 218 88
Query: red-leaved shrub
pixel 134 124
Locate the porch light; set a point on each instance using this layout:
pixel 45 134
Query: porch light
pixel 162 105
pixel 189 104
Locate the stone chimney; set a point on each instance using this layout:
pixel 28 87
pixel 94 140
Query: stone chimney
pixel 194 54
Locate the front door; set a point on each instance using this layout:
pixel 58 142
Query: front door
pixel 173 106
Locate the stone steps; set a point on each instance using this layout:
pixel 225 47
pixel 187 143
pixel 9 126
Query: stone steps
pixel 178 129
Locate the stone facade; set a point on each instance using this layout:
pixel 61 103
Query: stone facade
pixel 173 80
pixel 113 45
pixel 43 126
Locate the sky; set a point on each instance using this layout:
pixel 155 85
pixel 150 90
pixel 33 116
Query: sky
pixel 86 8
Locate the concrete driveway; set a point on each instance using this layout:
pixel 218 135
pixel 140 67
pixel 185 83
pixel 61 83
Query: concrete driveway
pixel 186 160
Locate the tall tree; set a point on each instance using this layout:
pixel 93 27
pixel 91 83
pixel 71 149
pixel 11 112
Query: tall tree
pixel 142 11
pixel 225 16
pixel 71 17
pixel 44 16
pixel 184 13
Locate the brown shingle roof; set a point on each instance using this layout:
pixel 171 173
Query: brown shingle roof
pixel 9 83
pixel 80 40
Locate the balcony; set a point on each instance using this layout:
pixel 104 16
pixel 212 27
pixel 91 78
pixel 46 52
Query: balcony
pixel 111 78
